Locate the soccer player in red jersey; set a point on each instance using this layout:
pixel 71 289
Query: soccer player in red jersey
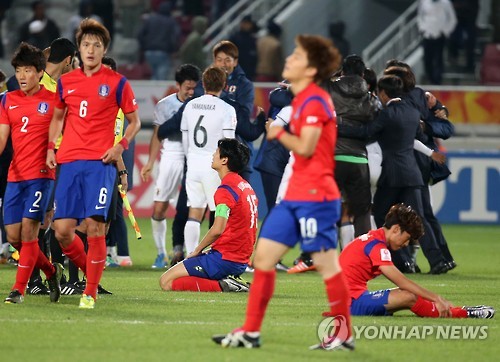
pixel 25 114
pixel 231 237
pixel 369 255
pixel 311 205
pixel 92 96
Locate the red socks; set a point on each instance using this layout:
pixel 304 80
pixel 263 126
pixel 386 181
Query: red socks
pixel 26 263
pixel 76 253
pixel 261 291
pixel 426 308
pixel 195 284
pixel 96 260
pixel 44 264
pixel 339 299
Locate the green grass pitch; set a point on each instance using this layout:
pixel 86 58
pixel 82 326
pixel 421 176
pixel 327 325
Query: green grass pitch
pixel 141 323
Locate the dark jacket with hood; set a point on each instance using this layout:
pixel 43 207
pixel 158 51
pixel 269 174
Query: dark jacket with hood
pixel 354 104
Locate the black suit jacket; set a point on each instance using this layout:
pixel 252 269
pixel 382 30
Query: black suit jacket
pixel 395 129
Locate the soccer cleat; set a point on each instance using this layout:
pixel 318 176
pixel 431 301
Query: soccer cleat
pixel 281 267
pixel 234 284
pixel 237 338
pixel 177 258
pixel 335 345
pixel 71 289
pixel 36 287
pixel 160 262
pixel 124 260
pixel 55 283
pixel 86 302
pixel 480 311
pixel 15 297
pixel 101 290
pixel 111 263
pixel 301 267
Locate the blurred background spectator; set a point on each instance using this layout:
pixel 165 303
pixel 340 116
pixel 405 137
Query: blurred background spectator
pixel 270 60
pixel 39 30
pixel 337 31
pixel 191 51
pixel 246 42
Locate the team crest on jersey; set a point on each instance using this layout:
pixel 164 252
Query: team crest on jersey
pixel 104 90
pixel 232 89
pixel 43 107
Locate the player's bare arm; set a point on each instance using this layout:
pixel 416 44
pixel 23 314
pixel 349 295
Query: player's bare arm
pixel 394 275
pixel 4 135
pixel 134 125
pixel 211 236
pixel 154 148
pixel 55 129
pixel 303 146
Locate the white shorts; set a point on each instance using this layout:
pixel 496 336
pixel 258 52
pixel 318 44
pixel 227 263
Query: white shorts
pixel 374 164
pixel 287 174
pixel 201 184
pixel 169 179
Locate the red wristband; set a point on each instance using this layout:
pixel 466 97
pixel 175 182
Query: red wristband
pixel 124 143
pixel 51 146
pixel 280 133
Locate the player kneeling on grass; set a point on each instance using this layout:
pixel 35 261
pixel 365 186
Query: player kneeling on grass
pixel 368 256
pixel 232 235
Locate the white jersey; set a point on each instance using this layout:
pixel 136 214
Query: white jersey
pixel 164 110
pixel 205 121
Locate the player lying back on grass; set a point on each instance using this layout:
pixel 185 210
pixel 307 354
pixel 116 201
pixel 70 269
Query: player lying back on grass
pixel 231 237
pixel 368 256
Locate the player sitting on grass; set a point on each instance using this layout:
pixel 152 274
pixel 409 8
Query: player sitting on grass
pixel 232 235
pixel 368 256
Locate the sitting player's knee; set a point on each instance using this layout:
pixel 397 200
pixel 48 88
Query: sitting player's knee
pixel 165 283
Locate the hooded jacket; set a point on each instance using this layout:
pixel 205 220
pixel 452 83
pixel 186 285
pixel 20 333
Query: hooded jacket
pixel 354 104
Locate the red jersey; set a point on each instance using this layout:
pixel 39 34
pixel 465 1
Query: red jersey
pixel 312 177
pixel 92 104
pixel 29 119
pixel 361 259
pixel 237 241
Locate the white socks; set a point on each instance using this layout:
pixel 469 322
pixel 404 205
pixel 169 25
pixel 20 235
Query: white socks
pixel 159 228
pixel 346 234
pixel 191 235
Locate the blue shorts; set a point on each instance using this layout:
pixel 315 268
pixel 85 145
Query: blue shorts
pixel 26 199
pixel 313 224
pixel 84 189
pixel 371 303
pixel 212 266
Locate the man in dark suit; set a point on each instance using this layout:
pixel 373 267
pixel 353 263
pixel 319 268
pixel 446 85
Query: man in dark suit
pixel 395 129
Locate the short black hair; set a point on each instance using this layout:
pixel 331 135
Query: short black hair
pixel 109 62
pixel 407 219
pixel 27 55
pixel 353 65
pixel 396 63
pixel 392 86
pixel 371 79
pixel 187 72
pixel 406 76
pixel 236 152
pixel 60 49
